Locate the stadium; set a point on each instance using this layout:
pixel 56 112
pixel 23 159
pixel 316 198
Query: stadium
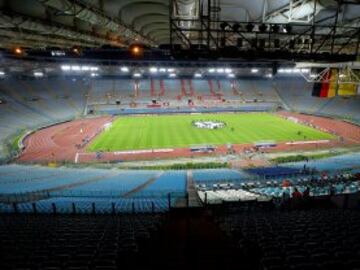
pixel 179 134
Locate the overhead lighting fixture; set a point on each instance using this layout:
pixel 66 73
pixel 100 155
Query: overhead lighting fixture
pixel 211 70
pixel 124 69
pixel 58 53
pixel 172 75
pixel 288 70
pixel 198 75
pixel 18 51
pixel 136 50
pixel 78 68
pixel 38 74
pixel 313 75
pixel 228 70
pixel 153 70
pixel 254 70
pixel 2 73
pixel 294 70
pixel 76 50
pixel 341 75
pixel 269 75
pixel 137 75
pixel 94 74
pixel 162 70
pixel 231 75
pixel 170 70
pixel 65 67
pixel 220 70
pixel 75 68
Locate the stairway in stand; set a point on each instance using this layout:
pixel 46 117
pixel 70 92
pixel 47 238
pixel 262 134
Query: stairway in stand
pixel 152 88
pixel 218 94
pixel 162 88
pixel 136 88
pixel 194 200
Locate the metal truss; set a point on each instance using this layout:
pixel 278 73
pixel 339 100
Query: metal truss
pixel 206 35
pixel 347 73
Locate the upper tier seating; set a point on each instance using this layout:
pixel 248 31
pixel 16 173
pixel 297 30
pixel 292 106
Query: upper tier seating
pixel 34 103
pixel 296 93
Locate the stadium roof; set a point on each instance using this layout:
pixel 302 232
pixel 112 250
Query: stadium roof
pixel 94 23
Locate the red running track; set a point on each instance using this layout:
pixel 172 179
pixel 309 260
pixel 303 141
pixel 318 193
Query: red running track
pixel 59 142
pixel 348 131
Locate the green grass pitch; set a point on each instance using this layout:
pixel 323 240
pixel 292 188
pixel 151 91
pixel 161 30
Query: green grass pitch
pixel 174 131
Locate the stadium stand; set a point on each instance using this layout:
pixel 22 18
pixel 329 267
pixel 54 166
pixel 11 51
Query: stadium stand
pixel 31 104
pixel 24 179
pixel 117 184
pixel 297 239
pixel 83 190
pixel 214 175
pixel 273 172
pixel 340 162
pixel 318 186
pixel 91 205
pixel 75 241
pixel 167 182
pixel 303 101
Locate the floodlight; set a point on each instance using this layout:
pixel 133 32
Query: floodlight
pixel 153 69
pixel 38 74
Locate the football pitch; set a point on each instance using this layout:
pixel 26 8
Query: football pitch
pixel 175 131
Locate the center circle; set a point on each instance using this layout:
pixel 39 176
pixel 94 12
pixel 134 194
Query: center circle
pixel 208 124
